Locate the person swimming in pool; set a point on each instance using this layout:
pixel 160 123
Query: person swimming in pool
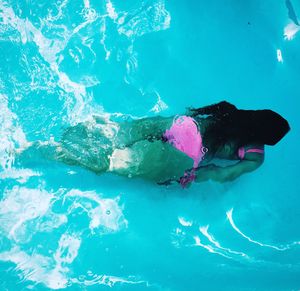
pixel 178 149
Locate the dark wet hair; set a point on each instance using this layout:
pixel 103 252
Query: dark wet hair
pixel 229 124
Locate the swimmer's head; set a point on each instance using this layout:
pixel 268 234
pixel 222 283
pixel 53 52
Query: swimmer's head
pixel 243 127
pixel 256 126
pixel 267 126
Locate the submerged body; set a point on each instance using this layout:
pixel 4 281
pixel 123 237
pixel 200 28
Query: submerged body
pixel 127 148
pixel 137 148
pixel 179 149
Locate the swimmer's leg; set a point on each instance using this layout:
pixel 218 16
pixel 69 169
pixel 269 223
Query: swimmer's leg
pixel 97 161
pixel 36 152
pixel 79 146
pixel 94 160
pixel 37 149
pixel 86 147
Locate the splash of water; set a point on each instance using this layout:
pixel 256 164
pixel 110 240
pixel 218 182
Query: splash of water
pixel 12 135
pixel 25 212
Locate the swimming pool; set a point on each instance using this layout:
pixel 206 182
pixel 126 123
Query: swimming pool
pixel 63 227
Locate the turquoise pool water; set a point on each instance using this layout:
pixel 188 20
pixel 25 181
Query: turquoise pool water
pixel 63 227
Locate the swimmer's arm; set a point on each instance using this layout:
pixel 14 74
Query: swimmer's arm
pixel 229 173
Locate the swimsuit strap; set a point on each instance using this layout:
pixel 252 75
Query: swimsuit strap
pixel 242 152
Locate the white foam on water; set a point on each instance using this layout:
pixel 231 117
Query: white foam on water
pixel 277 248
pixel 20 175
pixel 160 105
pixel 86 3
pixel 90 15
pixel 149 17
pixel 182 238
pixel 49 49
pixel 204 231
pixel 42 77
pixel 290 31
pixel 11 134
pixel 103 39
pixel 50 271
pixel 20 207
pixel 89 81
pixel 68 247
pixel 107 280
pixel 106 214
pixel 184 222
pixel 279 56
pixel 131 65
pixel 25 212
pixel 146 19
pixel 111 10
pixel 60 7
pixel 54 271
pixel 35 267
pixel 209 248
pixel 178 237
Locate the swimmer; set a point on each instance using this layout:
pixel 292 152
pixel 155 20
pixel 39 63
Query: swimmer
pixel 179 149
